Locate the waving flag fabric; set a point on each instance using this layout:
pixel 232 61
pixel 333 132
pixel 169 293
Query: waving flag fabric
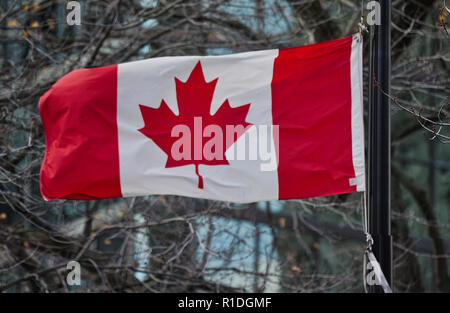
pixel 264 125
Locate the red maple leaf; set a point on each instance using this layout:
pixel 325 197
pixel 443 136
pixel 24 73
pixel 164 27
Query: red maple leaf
pixel 194 100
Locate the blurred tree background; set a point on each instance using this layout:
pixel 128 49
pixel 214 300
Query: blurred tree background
pixel 176 244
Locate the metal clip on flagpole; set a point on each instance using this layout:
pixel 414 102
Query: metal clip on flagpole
pixel 369 257
pixel 362 27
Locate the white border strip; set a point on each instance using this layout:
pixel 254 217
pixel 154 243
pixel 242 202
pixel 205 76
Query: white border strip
pixel 357 114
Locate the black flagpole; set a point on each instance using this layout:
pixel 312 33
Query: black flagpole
pixel 380 142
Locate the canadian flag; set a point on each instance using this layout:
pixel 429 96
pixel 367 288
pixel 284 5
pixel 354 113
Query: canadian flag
pixel 255 126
